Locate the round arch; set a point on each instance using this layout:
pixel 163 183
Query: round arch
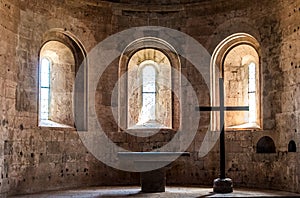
pixel 227 44
pixel 70 41
pixel 148 43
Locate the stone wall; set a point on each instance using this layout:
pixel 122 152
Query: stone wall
pixel 287 117
pixel 43 158
pixel 9 74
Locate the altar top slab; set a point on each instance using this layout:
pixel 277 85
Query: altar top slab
pixel 151 156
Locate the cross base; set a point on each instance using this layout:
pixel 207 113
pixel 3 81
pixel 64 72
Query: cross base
pixel 223 185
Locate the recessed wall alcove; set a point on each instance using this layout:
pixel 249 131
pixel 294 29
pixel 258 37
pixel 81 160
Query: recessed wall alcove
pixel 265 145
pixel 292 146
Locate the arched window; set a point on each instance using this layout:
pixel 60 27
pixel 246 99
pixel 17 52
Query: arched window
pixel 148 87
pixel 252 92
pixel 236 60
pixel 148 111
pixel 61 58
pixel 149 90
pixel 57 77
pixel 44 88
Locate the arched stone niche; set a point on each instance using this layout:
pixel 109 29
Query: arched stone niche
pixel 292 146
pixel 265 145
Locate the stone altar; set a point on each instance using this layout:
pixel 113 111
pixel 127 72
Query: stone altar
pixel 153 180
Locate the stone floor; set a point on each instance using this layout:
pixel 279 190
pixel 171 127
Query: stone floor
pixel 171 192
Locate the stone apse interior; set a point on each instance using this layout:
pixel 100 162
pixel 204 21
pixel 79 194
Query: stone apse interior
pixel 254 44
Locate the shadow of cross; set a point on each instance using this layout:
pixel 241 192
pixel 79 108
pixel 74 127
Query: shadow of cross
pixel 222 110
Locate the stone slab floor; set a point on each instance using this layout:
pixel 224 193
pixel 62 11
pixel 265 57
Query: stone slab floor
pixel 171 192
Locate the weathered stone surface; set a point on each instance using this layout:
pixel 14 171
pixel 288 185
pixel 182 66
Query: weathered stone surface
pixel 34 158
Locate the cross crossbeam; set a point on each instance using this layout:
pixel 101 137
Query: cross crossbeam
pixel 228 108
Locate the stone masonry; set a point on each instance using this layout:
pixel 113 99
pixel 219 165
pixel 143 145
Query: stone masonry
pixel 35 158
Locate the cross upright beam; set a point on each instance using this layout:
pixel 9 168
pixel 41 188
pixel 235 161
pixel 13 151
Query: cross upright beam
pixel 223 184
pixel 222 135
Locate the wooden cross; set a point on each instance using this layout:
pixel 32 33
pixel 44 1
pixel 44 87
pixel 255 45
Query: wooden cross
pixel 222 109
